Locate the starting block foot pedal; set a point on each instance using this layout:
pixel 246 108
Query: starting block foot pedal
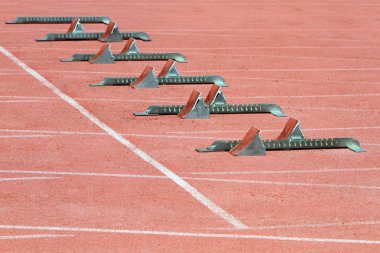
pixel 145 80
pixel 215 103
pixel 291 138
pixel 112 34
pixel 168 76
pixel 58 20
pixel 104 56
pixel 131 53
pixel 195 107
pixel 75 27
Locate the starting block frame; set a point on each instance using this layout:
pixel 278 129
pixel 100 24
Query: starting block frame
pixel 111 34
pixel 291 138
pixel 169 75
pixel 215 103
pixel 129 53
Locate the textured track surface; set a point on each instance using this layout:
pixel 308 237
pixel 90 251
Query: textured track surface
pixel 67 185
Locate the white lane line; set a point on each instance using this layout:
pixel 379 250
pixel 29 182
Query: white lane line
pixel 36 236
pixel 330 109
pixel 101 134
pixel 25 136
pixel 177 135
pixel 371 144
pixel 190 234
pixel 310 96
pixel 213 207
pixel 23 101
pixel 306 81
pixel 18 99
pixel 278 130
pixel 86 174
pixel 6 179
pixel 191 49
pixel 248 172
pixel 290 70
pixel 89 174
pixel 178 98
pixel 316 225
pixel 264 182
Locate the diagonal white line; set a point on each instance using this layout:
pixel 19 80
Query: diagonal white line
pixel 170 174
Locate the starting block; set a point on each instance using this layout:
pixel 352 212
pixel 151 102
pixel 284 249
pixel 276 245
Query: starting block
pixel 112 34
pixel 215 103
pixel 291 138
pixel 168 76
pixel 59 20
pixel 129 53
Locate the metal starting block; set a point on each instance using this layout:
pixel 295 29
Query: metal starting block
pixel 129 53
pixel 112 34
pixel 169 75
pixel 58 20
pixel 290 138
pixel 215 103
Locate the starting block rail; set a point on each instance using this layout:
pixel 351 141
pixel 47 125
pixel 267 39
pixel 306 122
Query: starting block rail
pixel 112 34
pixel 291 138
pixel 215 103
pixel 59 20
pixel 168 76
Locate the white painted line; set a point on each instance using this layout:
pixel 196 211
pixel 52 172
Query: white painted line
pixel 290 70
pixel 248 172
pixel 330 109
pixel 35 236
pixel 25 136
pixel 311 96
pixel 189 234
pixel 6 179
pixel 300 81
pixel 22 101
pixel 319 225
pixel 89 174
pixel 39 99
pixel 367 187
pixel 86 174
pixel 174 177
pixel 278 130
pixel 104 134
pixel 370 144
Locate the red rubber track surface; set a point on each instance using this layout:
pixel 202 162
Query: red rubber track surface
pixel 67 186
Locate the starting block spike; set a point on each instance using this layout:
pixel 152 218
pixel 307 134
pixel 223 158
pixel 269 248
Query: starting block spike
pixel 215 96
pixel 130 47
pixel 104 56
pixel 195 107
pixel 290 139
pixel 250 145
pixel 75 27
pixel 58 20
pixel 131 53
pixel 291 131
pixel 112 33
pixel 169 70
pixel 215 103
pixel 146 80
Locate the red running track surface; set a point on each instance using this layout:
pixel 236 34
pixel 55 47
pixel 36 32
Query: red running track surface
pixel 68 186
